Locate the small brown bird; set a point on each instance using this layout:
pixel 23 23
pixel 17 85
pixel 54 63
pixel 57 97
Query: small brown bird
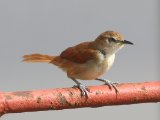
pixel 87 60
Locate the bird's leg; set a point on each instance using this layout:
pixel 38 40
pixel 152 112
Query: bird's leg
pixel 109 83
pixel 83 88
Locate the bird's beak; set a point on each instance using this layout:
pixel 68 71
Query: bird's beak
pixel 127 42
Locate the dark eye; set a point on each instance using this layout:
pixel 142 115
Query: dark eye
pixel 112 40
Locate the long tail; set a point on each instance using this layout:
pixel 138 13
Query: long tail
pixel 37 58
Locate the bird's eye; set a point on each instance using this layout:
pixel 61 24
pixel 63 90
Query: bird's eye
pixel 112 40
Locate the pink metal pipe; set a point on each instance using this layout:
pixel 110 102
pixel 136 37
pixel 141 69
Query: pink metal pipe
pixel 68 98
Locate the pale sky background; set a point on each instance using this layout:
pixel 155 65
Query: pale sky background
pixel 50 26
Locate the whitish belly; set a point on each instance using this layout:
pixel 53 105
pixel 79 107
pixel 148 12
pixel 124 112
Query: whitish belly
pixel 92 69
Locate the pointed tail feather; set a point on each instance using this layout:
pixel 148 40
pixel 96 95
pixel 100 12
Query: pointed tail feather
pixel 37 58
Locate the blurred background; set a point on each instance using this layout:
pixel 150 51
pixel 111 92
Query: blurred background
pixel 50 26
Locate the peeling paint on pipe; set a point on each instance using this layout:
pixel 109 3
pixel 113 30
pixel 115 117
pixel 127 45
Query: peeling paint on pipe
pixel 68 98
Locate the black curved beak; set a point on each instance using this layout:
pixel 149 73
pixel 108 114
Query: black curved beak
pixel 127 42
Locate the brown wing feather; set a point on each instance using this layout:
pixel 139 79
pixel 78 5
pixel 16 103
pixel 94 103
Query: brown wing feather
pixel 80 53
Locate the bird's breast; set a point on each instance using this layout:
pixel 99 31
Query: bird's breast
pixel 103 65
pixel 93 69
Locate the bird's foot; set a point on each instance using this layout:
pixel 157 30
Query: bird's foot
pixel 110 84
pixel 84 89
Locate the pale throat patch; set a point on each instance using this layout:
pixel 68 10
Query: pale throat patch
pixel 111 61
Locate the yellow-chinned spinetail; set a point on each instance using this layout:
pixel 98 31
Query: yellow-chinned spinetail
pixel 87 60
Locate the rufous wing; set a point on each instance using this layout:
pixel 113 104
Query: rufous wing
pixel 80 53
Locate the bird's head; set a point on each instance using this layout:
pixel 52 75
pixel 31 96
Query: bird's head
pixel 110 41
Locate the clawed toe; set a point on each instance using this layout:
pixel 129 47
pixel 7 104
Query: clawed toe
pixel 110 84
pixel 84 89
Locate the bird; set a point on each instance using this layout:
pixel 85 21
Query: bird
pixel 87 60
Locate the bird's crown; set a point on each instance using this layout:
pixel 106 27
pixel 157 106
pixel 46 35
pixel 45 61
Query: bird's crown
pixel 111 34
